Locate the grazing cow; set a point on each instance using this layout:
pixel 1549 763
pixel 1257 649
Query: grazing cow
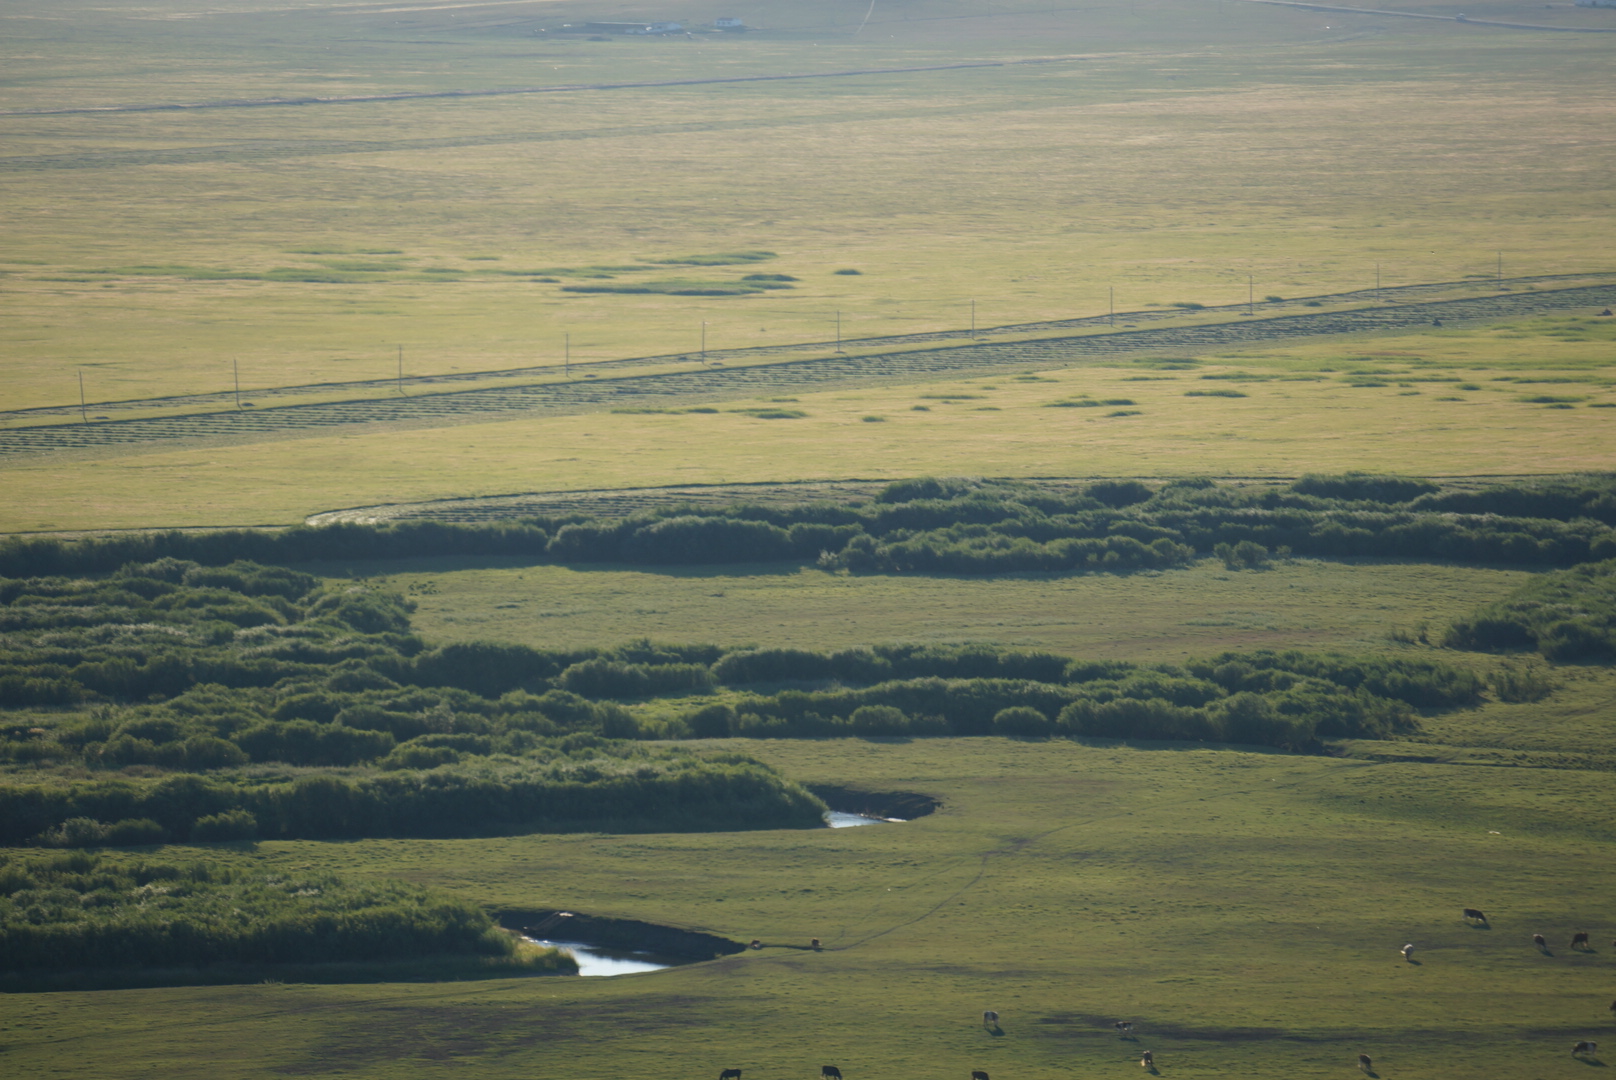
pixel 1475 915
pixel 1579 940
pixel 1365 1064
pixel 1124 1027
pixel 829 1072
pixel 1613 1006
pixel 1407 951
pixel 1584 1048
pixel 978 1074
pixel 813 943
pixel 756 944
pixel 1540 941
pixel 730 1074
pixel 1147 1060
pixel 990 1019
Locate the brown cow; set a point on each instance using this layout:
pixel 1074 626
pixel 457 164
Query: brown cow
pixel 756 944
pixel 1579 940
pixel 1365 1064
pixel 730 1074
pixel 813 943
pixel 1613 1006
pixel 1541 942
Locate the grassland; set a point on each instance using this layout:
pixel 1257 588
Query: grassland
pixel 1395 404
pixel 1161 616
pixel 1244 909
pixel 152 248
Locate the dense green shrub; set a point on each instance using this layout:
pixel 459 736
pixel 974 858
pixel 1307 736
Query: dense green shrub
pixel 1566 616
pixel 87 911
pixel 489 796
pixel 926 525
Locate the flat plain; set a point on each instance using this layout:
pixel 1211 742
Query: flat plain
pixel 1243 908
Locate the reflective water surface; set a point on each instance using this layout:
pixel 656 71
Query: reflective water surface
pixel 836 819
pixel 600 960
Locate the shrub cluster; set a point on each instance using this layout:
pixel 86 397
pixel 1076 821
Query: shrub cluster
pixel 954 526
pixel 553 790
pixel 82 910
pixel 1567 615
pixel 1287 699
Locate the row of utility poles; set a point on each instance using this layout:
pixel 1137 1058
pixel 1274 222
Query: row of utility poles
pixel 566 347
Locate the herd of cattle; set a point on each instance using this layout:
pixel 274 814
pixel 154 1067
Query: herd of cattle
pixel 990 1019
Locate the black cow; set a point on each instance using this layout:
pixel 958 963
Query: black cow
pixel 978 1074
pixel 1124 1027
pixel 990 1019
pixel 829 1072
pixel 730 1074
pixel 1579 940
pixel 1475 915
pixel 1584 1048
pixel 1147 1060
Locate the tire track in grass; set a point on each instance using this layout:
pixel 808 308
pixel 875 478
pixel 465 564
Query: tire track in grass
pixel 800 376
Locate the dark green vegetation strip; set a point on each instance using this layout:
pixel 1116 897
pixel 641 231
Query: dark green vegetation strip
pixel 97 911
pixel 249 702
pixel 956 526
pixel 798 375
pixel 1568 616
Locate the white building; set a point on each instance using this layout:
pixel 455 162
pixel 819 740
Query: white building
pixel 728 24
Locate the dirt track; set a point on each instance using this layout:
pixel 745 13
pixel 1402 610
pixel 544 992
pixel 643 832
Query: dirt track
pixel 716 383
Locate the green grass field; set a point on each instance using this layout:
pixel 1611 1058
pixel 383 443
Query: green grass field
pixel 1243 908
pixel 1162 616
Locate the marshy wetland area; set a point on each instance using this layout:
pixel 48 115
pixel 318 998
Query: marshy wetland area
pixel 493 491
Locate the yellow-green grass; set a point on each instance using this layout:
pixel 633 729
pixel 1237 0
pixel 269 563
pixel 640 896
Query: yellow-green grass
pixel 1156 616
pixel 1304 410
pixel 1244 910
pixel 1190 147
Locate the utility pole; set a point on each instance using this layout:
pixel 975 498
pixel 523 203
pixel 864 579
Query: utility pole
pixel 704 341
pixel 1111 304
pixel 84 414
pixel 838 331
pixel 1251 296
pixel 973 318
pixel 401 368
pixel 1377 283
pixel 1500 268
pixel 566 354
pixel 235 370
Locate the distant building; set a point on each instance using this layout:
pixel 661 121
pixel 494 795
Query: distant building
pixel 664 28
pixel 1597 3
pixel 728 24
